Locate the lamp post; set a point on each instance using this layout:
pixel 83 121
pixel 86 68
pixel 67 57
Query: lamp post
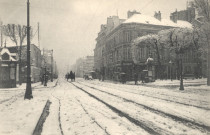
pixel 52 66
pixel 45 75
pixel 170 62
pixel 28 93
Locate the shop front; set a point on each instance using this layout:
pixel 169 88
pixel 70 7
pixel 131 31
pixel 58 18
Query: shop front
pixel 7 70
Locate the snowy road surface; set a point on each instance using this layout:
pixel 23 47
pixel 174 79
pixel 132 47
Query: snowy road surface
pixel 105 108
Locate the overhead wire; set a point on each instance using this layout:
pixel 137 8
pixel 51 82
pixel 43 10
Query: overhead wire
pixel 146 5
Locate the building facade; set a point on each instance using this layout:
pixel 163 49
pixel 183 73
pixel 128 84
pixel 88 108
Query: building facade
pixel 113 48
pixel 49 63
pixel 35 62
pixel 83 66
pixel 189 14
pixel 8 68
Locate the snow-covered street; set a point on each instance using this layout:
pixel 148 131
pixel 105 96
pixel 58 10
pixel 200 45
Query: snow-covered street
pixel 95 108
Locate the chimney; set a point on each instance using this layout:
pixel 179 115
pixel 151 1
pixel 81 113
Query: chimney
pixel 110 23
pixel 174 16
pixel 131 13
pixel 157 15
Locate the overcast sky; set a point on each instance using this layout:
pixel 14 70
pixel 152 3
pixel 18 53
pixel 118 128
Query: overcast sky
pixel 70 27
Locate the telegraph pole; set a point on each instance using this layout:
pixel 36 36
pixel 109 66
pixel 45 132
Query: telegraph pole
pixel 28 93
pixel 38 36
pixel 52 66
pixel 1 34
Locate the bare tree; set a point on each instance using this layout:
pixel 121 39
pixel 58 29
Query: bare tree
pixel 17 33
pixel 179 41
pixel 203 8
pixel 153 42
pixel 22 32
pixel 9 30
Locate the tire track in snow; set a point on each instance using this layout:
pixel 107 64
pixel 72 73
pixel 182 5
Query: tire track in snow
pixel 186 122
pixel 14 97
pixel 204 108
pixel 43 117
pixel 123 114
pixel 45 113
pixel 59 110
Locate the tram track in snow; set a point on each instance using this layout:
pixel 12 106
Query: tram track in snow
pixel 85 110
pixel 186 122
pixel 15 96
pixel 59 109
pixel 159 98
pixel 123 114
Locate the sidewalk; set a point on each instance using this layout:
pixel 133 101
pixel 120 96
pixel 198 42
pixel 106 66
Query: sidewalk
pixel 189 84
pixel 19 116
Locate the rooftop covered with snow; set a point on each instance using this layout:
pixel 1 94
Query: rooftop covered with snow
pixel 145 19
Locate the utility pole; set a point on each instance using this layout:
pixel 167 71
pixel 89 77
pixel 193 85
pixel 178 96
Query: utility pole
pixel 52 66
pixel 38 36
pixel 28 93
pixel 1 34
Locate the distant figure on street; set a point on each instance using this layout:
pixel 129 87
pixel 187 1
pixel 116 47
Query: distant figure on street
pixel 74 76
pixel 135 78
pixel 142 77
pixel 123 77
pixel 42 79
pixel 71 75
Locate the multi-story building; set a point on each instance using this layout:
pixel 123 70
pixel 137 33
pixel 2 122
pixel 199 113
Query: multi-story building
pixel 49 63
pixel 88 64
pixel 188 14
pixel 79 67
pixel 113 49
pixel 83 66
pixel 35 62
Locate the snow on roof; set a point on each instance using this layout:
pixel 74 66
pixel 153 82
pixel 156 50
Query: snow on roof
pixel 144 19
pixel 6 50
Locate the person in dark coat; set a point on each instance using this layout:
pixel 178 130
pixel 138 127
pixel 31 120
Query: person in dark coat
pixel 74 76
pixel 135 78
pixel 71 75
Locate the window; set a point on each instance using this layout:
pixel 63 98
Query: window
pixel 139 53
pixel 124 53
pixel 5 56
pixel 129 53
pixel 127 36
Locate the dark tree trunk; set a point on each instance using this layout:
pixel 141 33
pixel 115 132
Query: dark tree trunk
pixel 181 76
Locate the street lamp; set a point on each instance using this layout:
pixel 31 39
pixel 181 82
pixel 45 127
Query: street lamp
pixel 170 62
pixel 45 75
pixel 28 93
pixel 52 66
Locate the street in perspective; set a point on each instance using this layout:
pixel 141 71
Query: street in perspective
pixel 105 67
